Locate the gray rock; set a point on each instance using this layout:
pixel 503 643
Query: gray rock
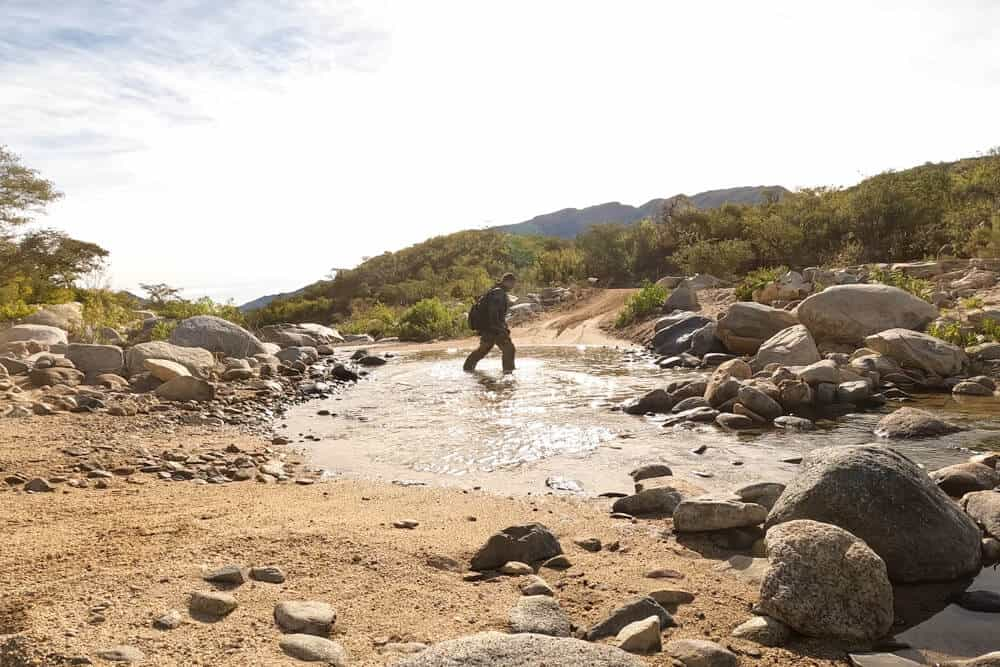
pixel 41 377
pixel 636 609
pixel 494 649
pixel 824 582
pixel 301 335
pixel 857 391
pixel 961 478
pixel 735 422
pixel 792 423
pixel 649 471
pixel 759 402
pixel 699 653
pixel 539 614
pixel 984 508
pixel 231 575
pixel 121 654
pixel 682 298
pixel 655 401
pixel 40 333
pixel 171 620
pixel 825 371
pixel 671 597
pixel 198 362
pixel 39 485
pixel 211 604
pixel 722 387
pixel 659 500
pixel 527 543
pixel 186 388
pixel 216 335
pixel 764 630
pixel 913 423
pixel 305 617
pixel 310 648
pixel 967 388
pixel 849 313
pixel 96 359
pixel 269 574
pixel 690 404
pixel 886 500
pixel 761 493
pixel 988 660
pixel 705 514
pixel 641 636
pixel 535 585
pixel 746 325
pixel 880 660
pixel 677 333
pixel 793 346
pixel 912 349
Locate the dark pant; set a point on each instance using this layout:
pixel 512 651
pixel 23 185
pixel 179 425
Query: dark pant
pixel 486 342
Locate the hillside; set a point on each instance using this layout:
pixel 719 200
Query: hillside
pixel 571 222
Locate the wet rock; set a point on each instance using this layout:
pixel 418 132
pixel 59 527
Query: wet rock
pixel 707 514
pixel 641 636
pixel 211 604
pixel 636 609
pixel 269 574
pixel 703 415
pixel 913 423
pixel 650 470
pixel 690 404
pixel 722 387
pixel 734 422
pixel 792 423
pixel 982 601
pixel 991 551
pixel 305 617
pixel 527 543
pixel 563 484
pixel 310 648
pixel 699 653
pixel 675 334
pixel 759 402
pixel 121 654
pixel 966 388
pixel 961 478
pixel 655 402
pixel 864 489
pixel 824 582
pixel 494 649
pixel 539 614
pixel 764 630
pixel 855 392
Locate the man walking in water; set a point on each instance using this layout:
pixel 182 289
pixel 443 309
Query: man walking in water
pixel 489 319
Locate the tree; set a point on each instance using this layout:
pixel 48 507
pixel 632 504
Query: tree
pixel 161 293
pixel 23 193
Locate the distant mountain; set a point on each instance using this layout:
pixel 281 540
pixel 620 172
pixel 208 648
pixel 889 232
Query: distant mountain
pixel 570 222
pixel 262 301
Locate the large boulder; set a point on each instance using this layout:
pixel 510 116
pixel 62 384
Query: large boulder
pixel 40 333
pixel 822 581
pixel 746 325
pixel 65 316
pixel 50 377
pixel 682 298
pixel 793 346
pixel 884 498
pixel 913 423
pixel 96 359
pixel 849 313
pixel 217 335
pixel 961 478
pixel 495 649
pixel 164 370
pixel 913 349
pixel 526 543
pixel 197 361
pixel 302 335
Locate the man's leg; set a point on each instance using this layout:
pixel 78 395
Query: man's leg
pixel 486 343
pixel 506 346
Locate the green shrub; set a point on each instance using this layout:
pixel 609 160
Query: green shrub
pixel 915 286
pixel 757 279
pixel 649 299
pixel 724 259
pixel 180 309
pixel 953 333
pixel 972 303
pixel 430 318
pixel 15 310
pixel 377 320
pixel 163 329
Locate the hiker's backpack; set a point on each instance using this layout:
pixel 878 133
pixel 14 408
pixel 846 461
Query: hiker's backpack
pixel 478 314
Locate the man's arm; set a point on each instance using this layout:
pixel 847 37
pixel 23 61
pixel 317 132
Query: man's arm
pixel 498 311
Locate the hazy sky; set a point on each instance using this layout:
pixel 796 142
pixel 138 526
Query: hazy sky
pixel 240 147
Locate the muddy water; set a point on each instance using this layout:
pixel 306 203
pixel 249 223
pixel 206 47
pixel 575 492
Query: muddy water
pixel 422 418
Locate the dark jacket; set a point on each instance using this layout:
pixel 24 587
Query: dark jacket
pixel 496 311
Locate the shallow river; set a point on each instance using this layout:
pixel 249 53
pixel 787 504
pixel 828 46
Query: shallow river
pixel 422 419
